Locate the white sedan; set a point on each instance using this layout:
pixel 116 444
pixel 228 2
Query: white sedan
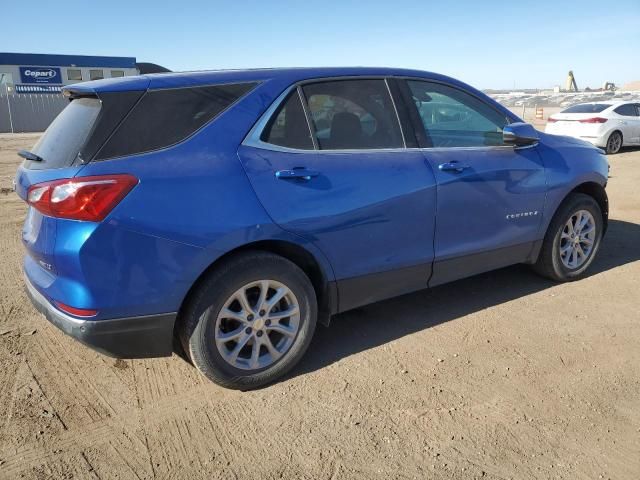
pixel 610 125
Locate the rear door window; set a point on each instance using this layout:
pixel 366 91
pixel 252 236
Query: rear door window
pixel 353 114
pixel 627 110
pixel 61 143
pixel 163 118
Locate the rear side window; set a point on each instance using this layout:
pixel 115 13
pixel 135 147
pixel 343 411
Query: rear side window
pixel 288 126
pixel 627 110
pixel 165 117
pixel 587 108
pixel 353 114
pixel 62 141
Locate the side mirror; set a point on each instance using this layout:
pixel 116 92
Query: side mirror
pixel 520 134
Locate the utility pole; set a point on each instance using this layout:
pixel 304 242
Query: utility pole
pixel 6 89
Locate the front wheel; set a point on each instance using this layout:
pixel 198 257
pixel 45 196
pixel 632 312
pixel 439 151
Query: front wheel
pixel 572 239
pixel 250 321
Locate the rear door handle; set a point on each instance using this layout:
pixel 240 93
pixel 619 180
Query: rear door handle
pixel 453 166
pixel 297 173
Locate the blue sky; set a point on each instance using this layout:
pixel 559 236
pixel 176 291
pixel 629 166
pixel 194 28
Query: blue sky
pixel 490 44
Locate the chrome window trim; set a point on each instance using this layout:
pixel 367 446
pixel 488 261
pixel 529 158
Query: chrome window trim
pixel 479 148
pixel 395 109
pixel 307 116
pixel 252 139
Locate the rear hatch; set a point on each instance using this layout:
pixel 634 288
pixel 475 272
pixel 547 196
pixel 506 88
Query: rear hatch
pixel 64 149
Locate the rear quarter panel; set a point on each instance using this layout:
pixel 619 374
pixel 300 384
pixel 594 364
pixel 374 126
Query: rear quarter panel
pixel 193 204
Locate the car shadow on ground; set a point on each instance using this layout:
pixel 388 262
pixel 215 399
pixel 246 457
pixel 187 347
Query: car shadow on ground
pixel 374 325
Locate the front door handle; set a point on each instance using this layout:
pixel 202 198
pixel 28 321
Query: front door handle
pixel 453 166
pixel 297 173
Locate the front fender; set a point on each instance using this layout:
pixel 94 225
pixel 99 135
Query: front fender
pixel 569 165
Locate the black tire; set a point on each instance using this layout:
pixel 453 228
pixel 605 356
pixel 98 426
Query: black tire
pixel 614 143
pixel 199 317
pixel 549 263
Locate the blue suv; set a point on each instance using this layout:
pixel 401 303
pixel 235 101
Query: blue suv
pixel 226 213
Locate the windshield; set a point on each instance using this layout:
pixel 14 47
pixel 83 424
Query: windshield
pixel 587 108
pixel 60 144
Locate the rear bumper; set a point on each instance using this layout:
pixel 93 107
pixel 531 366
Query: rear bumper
pixel 600 141
pixel 597 137
pixel 133 337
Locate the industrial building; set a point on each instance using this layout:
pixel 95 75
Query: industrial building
pixel 42 73
pixel 31 84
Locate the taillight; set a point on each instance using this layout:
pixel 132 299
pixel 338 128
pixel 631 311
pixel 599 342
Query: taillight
pixel 81 198
pixel 78 312
pixel 551 120
pixel 593 120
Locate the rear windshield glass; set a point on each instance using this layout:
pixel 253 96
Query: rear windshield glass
pixel 587 108
pixel 62 141
pixel 165 117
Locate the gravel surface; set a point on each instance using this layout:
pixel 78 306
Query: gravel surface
pixel 504 375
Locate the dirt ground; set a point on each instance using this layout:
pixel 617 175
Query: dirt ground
pixel 504 375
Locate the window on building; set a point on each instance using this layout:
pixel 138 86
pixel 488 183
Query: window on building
pixel 74 74
pixel 288 126
pixel 96 74
pixel 117 73
pixel 353 114
pixel 453 118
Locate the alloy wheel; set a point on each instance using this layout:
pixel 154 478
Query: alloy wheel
pixel 614 143
pixel 577 239
pixel 257 325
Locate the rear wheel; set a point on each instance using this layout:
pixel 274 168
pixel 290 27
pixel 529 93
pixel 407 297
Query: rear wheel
pixel 572 239
pixel 614 143
pixel 250 321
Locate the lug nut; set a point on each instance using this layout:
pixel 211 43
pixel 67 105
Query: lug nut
pixel 248 330
pixel 250 318
pixel 262 312
pixel 259 333
pixel 267 322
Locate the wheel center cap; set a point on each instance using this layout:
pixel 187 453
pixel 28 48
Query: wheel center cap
pixel 258 324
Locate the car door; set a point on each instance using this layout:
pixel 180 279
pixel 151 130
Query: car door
pixel 635 121
pixel 328 162
pixel 490 196
pixel 628 122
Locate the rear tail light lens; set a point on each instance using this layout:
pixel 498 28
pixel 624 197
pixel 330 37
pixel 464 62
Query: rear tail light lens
pixel 78 312
pixel 81 198
pixel 551 120
pixel 593 120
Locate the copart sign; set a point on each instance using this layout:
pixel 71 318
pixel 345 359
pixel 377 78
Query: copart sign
pixel 40 75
